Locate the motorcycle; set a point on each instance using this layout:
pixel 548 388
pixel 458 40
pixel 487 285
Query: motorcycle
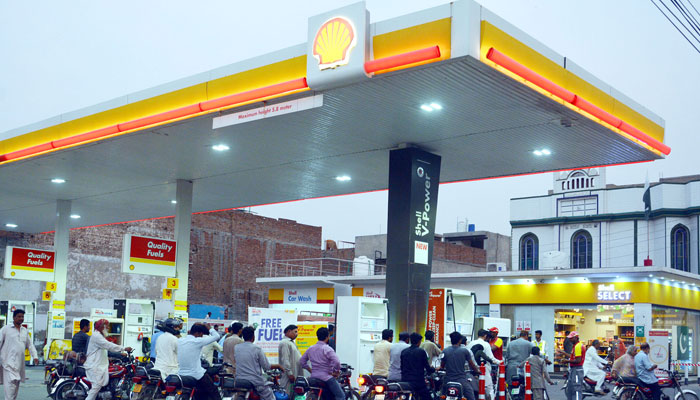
pixel 343 378
pixel 637 392
pixel 453 391
pixel 314 389
pixel 178 387
pixel 589 384
pixel 516 389
pixel 56 372
pixel 118 387
pixel 243 390
pixel 146 383
pixel 371 386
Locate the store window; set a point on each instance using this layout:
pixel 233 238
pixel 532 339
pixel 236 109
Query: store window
pixel 608 323
pixel 581 250
pixel 529 252
pixel 680 247
pixel 665 318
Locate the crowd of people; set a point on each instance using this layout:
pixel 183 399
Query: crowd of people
pixel 409 359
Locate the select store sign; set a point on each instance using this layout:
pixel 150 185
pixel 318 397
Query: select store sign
pixel 31 264
pixel 148 256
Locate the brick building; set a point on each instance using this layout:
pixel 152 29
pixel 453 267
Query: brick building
pixel 228 250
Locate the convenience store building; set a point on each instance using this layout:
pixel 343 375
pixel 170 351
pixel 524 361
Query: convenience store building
pixel 623 302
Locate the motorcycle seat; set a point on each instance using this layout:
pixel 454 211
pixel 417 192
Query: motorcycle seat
pixel 589 381
pixel 79 371
pixel 243 384
pixel 317 383
pixel 399 387
pixel 181 380
pixel 153 371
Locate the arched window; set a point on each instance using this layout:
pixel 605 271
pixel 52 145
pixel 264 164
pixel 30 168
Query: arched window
pixel 680 248
pixel 529 252
pixel 581 250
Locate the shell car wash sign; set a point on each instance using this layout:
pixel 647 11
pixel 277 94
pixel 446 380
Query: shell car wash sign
pixel 301 296
pixel 29 264
pixel 148 256
pixel 338 46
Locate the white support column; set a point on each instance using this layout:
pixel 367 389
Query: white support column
pixel 183 223
pixel 643 317
pixel 61 247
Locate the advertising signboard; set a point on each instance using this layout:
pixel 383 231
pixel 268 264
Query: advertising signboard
pixel 307 334
pixel 436 314
pixel 658 344
pixel 148 256
pixel 269 327
pixel 29 264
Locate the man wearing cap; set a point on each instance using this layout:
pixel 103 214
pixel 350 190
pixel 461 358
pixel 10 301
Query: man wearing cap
pixel 574 384
pixel 496 344
pixel 97 362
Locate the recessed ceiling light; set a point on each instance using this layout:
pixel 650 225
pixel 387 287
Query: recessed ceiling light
pixel 436 106
pixel 220 147
pixel 546 152
pixel 58 180
pixel 75 216
pixel 343 178
pixel 538 153
pixel 556 277
pixel 173 201
pixel 651 275
pixel 426 107
pixel 11 225
pixel 501 279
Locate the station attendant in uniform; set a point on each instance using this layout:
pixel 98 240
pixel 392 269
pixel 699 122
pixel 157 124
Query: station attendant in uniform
pixel 14 339
pixel 574 385
pixel 496 344
pixel 97 364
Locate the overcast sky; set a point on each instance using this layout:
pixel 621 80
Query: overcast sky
pixel 61 56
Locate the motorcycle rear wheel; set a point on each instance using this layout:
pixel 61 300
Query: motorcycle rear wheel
pixel 631 394
pixel 66 387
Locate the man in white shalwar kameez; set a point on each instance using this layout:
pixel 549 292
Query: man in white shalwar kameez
pixel 14 339
pixel 97 364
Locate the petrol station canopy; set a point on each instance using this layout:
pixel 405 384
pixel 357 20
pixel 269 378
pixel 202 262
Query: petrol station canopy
pixel 454 80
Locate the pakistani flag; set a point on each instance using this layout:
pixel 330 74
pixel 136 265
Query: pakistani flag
pixel 647 199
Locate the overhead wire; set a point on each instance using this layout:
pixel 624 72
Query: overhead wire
pixel 687 16
pixel 676 26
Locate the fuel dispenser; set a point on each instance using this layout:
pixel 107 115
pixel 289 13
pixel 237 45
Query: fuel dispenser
pixel 451 310
pixel 139 322
pixel 359 325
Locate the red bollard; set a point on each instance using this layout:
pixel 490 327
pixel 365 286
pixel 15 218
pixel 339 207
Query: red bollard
pixel 482 382
pixel 501 382
pixel 528 382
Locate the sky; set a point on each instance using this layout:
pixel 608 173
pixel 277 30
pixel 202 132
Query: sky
pixel 62 56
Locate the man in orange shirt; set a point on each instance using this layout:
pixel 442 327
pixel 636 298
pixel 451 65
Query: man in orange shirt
pixel 496 344
pixel 574 384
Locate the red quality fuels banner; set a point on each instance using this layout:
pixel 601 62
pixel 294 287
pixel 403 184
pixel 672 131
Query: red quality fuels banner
pixel 30 264
pixel 436 314
pixel 32 259
pixel 152 251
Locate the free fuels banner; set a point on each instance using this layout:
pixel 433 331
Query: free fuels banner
pixel 148 256
pixel 30 264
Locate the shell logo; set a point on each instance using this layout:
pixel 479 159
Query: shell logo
pixel 333 43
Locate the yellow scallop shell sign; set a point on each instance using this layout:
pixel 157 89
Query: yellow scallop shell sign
pixel 333 43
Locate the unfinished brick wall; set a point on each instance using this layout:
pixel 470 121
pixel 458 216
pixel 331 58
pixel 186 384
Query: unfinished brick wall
pixel 228 251
pixel 459 253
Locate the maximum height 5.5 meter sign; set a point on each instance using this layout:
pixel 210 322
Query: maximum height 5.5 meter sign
pixel 148 256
